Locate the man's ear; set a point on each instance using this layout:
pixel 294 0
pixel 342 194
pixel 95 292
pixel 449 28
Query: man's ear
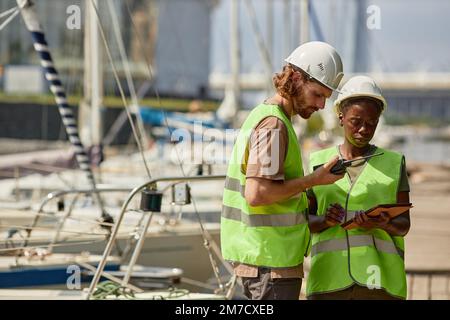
pixel 295 76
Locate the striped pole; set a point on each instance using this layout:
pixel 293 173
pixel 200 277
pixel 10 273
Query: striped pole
pixel 51 74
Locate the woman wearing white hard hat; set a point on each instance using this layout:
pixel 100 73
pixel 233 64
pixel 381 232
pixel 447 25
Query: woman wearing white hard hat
pixel 367 261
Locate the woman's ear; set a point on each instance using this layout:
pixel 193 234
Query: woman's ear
pixel 341 119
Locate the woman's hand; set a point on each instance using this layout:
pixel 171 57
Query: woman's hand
pixel 364 221
pixel 335 215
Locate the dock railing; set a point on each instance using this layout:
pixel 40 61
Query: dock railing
pixel 151 185
pixel 428 273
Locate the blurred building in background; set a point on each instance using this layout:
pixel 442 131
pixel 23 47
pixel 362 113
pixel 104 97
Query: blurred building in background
pixel 173 36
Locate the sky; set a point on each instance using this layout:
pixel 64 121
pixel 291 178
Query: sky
pixel 414 35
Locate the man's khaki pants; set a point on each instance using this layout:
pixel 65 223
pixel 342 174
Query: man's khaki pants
pixel 263 287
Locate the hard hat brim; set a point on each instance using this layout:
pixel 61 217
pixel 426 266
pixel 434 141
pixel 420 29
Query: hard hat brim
pixel 337 103
pixel 315 79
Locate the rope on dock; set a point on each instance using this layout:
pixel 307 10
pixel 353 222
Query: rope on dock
pixel 108 288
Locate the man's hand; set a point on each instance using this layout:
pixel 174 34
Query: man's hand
pixel 335 215
pixel 260 191
pixel 323 176
pixel 364 221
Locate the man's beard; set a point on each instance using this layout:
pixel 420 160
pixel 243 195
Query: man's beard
pixel 299 104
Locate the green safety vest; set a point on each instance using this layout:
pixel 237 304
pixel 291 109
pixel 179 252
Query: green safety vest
pixel 274 235
pixel 370 258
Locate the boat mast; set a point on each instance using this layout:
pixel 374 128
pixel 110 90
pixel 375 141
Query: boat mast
pixel 29 15
pixel 269 21
pixel 235 53
pixel 134 106
pixel 92 104
pixel 287 47
pixel 304 21
pixel 262 47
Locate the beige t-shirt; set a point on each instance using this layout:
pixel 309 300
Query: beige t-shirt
pixel 270 135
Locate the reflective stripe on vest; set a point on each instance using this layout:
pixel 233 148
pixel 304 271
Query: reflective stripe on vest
pixel 356 241
pixel 264 220
pixel 234 185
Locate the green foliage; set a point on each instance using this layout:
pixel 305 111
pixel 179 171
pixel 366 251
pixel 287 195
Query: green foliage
pixel 112 102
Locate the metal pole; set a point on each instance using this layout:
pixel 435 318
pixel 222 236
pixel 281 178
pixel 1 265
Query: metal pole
pixel 61 224
pixel 86 102
pixel 16 183
pixel 304 21
pixel 109 276
pixel 235 52
pixel 349 34
pixel 112 238
pixel 260 42
pixel 269 39
pixel 57 194
pixel 40 45
pixel 126 65
pixel 97 78
pixel 137 250
pixel 333 21
pixel 287 27
pixel 92 103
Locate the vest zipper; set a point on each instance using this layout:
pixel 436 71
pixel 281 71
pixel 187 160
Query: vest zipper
pixel 346 207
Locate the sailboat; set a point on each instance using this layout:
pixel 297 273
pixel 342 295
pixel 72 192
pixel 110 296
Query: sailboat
pixel 181 233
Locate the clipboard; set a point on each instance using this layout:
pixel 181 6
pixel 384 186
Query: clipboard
pixel 393 210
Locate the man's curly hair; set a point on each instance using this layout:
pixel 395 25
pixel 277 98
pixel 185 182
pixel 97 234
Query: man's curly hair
pixel 283 81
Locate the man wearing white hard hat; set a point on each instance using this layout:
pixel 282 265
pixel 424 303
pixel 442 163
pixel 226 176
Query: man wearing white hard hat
pixel 264 229
pixel 366 259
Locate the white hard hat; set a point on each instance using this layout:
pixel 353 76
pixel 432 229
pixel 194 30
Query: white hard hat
pixel 359 86
pixel 320 61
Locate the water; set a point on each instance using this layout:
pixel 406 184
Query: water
pixel 422 149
